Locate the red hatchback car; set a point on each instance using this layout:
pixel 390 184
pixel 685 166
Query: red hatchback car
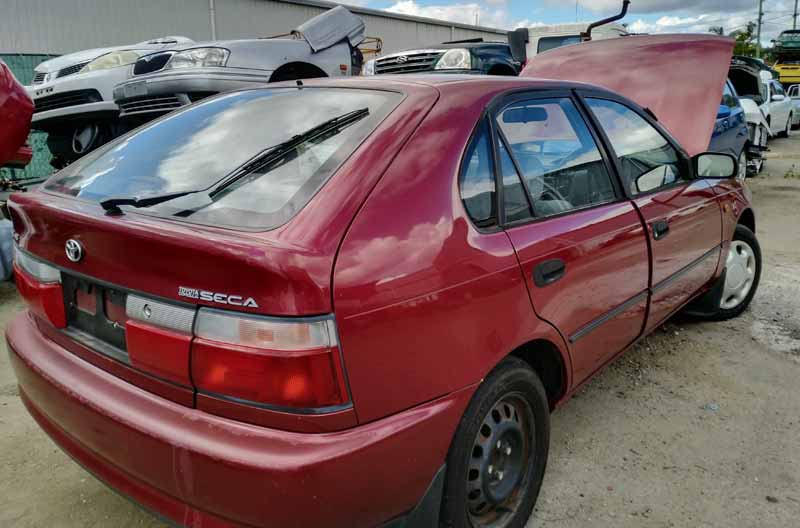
pixel 16 109
pixel 355 303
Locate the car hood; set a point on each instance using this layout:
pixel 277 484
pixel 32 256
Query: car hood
pixel 678 77
pixel 69 59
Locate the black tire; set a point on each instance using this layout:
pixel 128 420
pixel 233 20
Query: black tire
pixel 511 384
pixel 785 132
pixel 744 234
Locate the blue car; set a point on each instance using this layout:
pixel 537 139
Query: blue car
pixel 730 131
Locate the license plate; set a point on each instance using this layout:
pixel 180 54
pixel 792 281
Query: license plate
pixel 136 89
pixel 95 309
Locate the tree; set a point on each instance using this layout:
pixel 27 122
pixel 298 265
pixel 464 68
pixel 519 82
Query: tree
pixel 717 30
pixel 745 40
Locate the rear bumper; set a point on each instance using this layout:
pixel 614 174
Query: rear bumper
pixel 197 469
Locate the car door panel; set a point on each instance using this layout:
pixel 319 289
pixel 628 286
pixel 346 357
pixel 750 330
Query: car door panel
pixel 599 304
pixel 681 214
pixel 685 257
pixel 582 246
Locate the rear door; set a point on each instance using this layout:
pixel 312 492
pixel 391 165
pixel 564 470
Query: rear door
pixel 580 242
pixel 683 218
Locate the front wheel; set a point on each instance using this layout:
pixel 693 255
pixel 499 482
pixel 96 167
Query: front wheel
pixel 742 274
pixel 743 164
pixel 497 459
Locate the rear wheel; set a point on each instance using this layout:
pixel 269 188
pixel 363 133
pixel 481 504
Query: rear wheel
pixel 742 275
pixel 498 455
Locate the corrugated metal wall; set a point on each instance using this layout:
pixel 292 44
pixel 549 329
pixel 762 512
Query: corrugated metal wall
pixel 63 26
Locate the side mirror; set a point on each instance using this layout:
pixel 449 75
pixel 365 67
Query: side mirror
pixel 715 165
pixel 777 98
pixel 724 112
pixel 518 42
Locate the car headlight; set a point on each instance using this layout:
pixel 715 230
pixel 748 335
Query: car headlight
pixel 199 58
pixel 454 59
pixel 111 60
pixel 368 68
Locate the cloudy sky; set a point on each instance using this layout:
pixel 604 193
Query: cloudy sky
pixel 645 16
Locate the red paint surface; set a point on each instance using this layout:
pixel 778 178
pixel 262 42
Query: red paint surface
pixel 678 77
pixel 425 304
pixel 161 352
pixel 16 109
pixel 197 468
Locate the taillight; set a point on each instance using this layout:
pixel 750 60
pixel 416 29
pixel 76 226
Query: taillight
pixel 158 337
pixel 39 284
pixel 281 363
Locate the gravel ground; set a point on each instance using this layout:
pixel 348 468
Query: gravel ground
pixel 698 425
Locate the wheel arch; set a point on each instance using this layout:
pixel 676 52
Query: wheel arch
pixel 549 363
pixel 748 219
pixel 296 70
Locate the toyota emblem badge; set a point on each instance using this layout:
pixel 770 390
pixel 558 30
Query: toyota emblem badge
pixel 74 250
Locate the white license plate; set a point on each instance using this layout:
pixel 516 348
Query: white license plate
pixel 136 89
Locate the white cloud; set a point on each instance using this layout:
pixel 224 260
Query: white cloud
pixel 491 14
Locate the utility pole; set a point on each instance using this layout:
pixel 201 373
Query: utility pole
pixel 758 37
pixel 794 18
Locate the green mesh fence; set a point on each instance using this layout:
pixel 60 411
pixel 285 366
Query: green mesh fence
pixel 22 65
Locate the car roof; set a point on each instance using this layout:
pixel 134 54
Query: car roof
pixel 463 83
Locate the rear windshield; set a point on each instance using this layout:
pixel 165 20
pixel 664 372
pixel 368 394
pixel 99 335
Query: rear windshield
pixel 197 148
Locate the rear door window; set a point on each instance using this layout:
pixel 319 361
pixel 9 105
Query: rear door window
pixel 195 149
pixel 557 156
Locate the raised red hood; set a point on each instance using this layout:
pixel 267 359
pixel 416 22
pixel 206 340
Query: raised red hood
pixel 678 77
pixel 16 109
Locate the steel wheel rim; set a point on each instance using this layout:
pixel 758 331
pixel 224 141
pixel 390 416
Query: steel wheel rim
pixel 499 462
pixel 740 273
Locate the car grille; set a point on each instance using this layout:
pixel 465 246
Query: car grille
pixel 65 99
pixel 151 63
pixel 413 62
pixel 150 103
pixel 38 77
pixel 71 70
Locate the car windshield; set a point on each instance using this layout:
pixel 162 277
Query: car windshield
pixel 194 149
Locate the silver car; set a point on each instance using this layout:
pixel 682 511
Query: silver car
pixel 325 46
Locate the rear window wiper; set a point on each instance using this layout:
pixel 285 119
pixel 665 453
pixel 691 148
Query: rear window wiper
pixel 276 152
pixel 260 160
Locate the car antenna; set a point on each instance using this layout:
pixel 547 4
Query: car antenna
pixel 586 36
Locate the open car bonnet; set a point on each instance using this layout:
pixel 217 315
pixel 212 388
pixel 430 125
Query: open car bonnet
pixel 678 77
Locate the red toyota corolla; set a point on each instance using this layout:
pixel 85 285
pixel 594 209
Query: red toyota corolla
pixel 354 303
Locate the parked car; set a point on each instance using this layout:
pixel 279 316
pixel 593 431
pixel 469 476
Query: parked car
pixel 15 115
pixel 463 56
pixel 780 109
pixel 794 95
pixel 787 51
pixel 16 109
pixel 417 270
pixel 730 130
pixel 73 96
pixel 324 46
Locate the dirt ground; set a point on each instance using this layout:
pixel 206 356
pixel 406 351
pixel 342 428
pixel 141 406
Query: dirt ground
pixel 697 426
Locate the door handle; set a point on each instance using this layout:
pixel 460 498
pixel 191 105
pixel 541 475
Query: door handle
pixel 548 272
pixel 660 229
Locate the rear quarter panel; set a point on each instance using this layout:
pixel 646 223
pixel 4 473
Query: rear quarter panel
pixel 426 303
